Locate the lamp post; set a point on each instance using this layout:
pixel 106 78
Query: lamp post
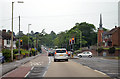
pixel 28 36
pixel 12 31
pixel 81 40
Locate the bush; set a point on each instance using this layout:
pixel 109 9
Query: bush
pixel 15 51
pixel 111 50
pixel 33 51
pixel 100 50
pixel 7 54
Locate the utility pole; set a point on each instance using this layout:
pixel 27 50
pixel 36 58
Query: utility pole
pixel 19 36
pixel 12 35
pixel 28 37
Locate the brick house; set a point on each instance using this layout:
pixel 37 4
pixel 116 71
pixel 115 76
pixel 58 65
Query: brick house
pixel 112 38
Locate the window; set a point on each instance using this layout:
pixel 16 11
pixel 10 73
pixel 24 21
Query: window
pixel 60 51
pixel 8 41
pixel 87 52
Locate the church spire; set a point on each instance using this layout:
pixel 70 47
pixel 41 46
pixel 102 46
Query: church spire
pixel 100 25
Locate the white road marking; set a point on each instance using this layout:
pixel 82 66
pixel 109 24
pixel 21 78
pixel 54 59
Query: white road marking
pixel 87 67
pixel 100 72
pixel 29 72
pixel 44 73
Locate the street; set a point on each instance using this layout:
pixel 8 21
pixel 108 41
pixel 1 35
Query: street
pixel 107 66
pixel 71 69
pixel 44 66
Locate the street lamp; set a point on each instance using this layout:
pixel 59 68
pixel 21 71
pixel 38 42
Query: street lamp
pixel 12 31
pixel 80 38
pixel 28 35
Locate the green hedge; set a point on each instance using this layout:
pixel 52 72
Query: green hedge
pixel 7 54
pixel 100 50
pixel 111 50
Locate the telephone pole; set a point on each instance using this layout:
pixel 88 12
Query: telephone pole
pixel 19 36
pixel 12 35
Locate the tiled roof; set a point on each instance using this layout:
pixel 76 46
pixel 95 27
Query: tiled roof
pixel 112 31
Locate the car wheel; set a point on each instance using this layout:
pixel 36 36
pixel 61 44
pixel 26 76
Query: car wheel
pixel 66 60
pixel 54 60
pixel 89 56
pixel 80 56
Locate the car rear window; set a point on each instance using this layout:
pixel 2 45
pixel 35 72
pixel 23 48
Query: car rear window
pixel 60 51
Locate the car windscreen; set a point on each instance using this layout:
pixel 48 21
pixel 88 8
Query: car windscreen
pixel 60 51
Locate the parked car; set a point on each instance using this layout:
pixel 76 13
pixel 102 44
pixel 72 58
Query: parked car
pixel 61 54
pixel 2 58
pixel 85 54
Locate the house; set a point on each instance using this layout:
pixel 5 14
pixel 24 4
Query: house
pixel 6 40
pixel 112 38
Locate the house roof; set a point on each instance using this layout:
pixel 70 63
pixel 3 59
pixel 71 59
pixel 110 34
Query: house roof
pixel 112 31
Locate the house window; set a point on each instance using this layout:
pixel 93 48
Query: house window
pixel 8 41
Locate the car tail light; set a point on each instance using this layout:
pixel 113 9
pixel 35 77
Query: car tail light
pixel 66 52
pixel 55 52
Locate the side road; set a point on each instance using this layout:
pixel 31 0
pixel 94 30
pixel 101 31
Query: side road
pixel 7 67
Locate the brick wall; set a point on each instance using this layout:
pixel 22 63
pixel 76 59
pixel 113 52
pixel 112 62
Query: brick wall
pixel 100 36
pixel 116 38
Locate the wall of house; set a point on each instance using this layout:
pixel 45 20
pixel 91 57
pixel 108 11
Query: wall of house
pixel 115 38
pixel 9 45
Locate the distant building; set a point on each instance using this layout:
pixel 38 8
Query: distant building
pixel 6 40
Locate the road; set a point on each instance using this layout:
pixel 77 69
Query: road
pixel 71 69
pixel 44 66
pixel 107 66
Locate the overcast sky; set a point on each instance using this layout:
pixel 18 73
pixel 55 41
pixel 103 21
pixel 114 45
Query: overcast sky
pixel 58 15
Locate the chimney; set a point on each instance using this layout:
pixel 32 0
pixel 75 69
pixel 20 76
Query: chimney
pixel 10 33
pixel 4 30
pixel 115 26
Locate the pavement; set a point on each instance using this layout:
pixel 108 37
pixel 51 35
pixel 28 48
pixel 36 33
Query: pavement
pixel 7 67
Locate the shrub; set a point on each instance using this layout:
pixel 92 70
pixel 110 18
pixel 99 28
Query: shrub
pixel 7 54
pixel 33 51
pixel 100 50
pixel 111 50
pixel 15 51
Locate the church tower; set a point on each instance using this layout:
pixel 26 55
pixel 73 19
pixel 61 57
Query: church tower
pixel 100 31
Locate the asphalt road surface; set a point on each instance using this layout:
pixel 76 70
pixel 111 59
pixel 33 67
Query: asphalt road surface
pixel 107 66
pixel 71 69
